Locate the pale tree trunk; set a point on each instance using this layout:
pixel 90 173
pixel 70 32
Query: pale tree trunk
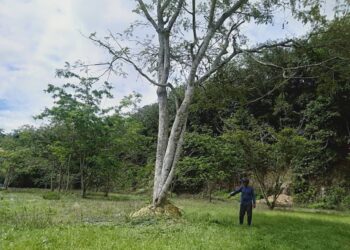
pixel 83 187
pixel 68 173
pixel 8 177
pixel 277 190
pixel 210 186
pixel 166 165
pixel 169 147
pixel 162 139
pixel 83 184
pixel 107 187
pixel 51 177
pixel 60 178
pixel 51 182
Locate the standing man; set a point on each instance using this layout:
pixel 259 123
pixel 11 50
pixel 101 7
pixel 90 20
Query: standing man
pixel 247 200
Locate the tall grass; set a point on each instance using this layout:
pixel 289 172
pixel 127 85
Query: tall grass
pixel 27 221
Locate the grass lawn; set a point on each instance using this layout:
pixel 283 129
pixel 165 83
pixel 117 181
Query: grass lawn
pixel 27 221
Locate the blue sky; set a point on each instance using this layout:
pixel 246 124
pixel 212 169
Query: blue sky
pixel 38 36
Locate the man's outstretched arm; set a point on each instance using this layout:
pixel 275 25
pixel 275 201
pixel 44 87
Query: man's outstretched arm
pixel 235 192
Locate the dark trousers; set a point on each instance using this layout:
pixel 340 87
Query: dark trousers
pixel 246 208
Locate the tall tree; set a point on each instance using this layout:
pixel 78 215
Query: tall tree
pixel 191 40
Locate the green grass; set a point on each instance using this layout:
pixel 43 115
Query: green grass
pixel 27 221
pixel 52 196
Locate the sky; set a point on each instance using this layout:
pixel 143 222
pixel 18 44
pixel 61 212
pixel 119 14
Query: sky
pixel 39 36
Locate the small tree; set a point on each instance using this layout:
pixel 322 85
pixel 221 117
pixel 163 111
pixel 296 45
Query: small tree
pixel 269 155
pixel 78 108
pixel 16 155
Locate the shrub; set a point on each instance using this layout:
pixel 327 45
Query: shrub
pixel 51 196
pixel 306 195
pixel 346 202
pixel 318 205
pixel 334 197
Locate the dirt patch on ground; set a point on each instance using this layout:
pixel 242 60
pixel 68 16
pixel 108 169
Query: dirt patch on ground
pixel 283 200
pixel 167 210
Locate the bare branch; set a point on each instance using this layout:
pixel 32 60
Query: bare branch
pixel 285 43
pixel 138 69
pixel 268 93
pixel 292 68
pixel 228 13
pixel 215 68
pixel 218 62
pixel 211 32
pixel 194 29
pixel 107 70
pixel 313 64
pixel 227 43
pixel 176 96
pixel 194 26
pixel 148 16
pixel 159 12
pixel 175 15
pixel 165 5
pixel 212 13
pixel 125 58
pixel 267 63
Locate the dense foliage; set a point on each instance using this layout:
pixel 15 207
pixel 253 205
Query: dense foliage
pixel 84 144
pixel 286 115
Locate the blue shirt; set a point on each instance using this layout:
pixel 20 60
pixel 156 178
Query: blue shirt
pixel 247 194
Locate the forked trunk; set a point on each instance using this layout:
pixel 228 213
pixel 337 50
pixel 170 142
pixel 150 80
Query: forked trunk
pixel 169 150
pixel 162 140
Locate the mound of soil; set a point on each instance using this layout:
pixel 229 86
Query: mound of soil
pixel 283 200
pixel 168 209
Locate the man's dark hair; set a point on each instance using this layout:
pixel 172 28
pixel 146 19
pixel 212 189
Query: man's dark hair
pixel 245 180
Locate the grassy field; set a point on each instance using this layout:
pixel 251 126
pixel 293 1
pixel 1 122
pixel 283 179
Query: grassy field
pixel 27 221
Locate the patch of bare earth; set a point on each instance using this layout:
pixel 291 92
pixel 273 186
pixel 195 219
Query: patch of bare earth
pixel 283 200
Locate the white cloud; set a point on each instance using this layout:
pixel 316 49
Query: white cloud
pixel 38 36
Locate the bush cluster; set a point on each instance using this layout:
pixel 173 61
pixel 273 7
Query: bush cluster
pixel 51 196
